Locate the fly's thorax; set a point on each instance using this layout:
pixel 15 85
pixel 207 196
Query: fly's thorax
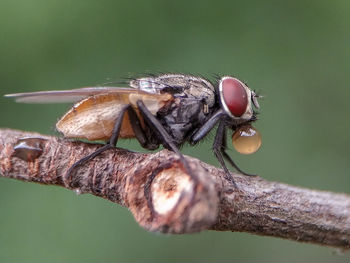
pixel 178 85
pixel 183 117
pixel 146 84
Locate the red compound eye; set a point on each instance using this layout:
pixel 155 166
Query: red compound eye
pixel 235 96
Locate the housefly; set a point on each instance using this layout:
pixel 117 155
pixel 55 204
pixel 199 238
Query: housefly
pixel 168 110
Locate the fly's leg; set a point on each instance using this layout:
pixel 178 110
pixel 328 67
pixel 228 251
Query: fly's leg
pixel 110 144
pixel 141 135
pixel 219 141
pixel 228 158
pixel 165 137
pixel 218 146
pixel 85 159
pixel 206 128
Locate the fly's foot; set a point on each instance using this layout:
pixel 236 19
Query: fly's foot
pixel 68 178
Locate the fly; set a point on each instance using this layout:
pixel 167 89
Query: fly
pixel 168 110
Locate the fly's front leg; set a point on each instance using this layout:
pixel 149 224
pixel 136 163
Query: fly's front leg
pixel 207 127
pixel 110 144
pixel 228 158
pixel 218 149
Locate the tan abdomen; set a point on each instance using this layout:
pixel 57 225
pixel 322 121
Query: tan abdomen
pixel 94 117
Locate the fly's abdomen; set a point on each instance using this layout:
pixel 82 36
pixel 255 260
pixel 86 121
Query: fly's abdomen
pixel 94 117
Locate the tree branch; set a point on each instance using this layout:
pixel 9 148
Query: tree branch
pixel 163 197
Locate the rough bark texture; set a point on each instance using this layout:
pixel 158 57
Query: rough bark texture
pixel 163 197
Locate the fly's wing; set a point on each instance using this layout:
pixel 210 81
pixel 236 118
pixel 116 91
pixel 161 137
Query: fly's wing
pixel 61 96
pixel 94 117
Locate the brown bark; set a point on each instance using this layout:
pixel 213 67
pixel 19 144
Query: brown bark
pixel 163 197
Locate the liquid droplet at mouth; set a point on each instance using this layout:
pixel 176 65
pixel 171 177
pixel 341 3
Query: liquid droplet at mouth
pixel 246 139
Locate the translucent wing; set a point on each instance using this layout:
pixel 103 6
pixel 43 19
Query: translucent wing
pixel 97 108
pixel 61 96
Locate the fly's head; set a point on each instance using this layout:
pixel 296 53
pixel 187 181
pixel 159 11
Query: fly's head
pixel 237 101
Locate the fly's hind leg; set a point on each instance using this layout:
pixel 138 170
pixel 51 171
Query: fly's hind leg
pixel 144 136
pixel 110 144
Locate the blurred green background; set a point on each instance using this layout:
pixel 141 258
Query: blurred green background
pixel 296 53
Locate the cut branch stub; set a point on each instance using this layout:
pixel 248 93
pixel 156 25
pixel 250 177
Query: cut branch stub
pixel 171 202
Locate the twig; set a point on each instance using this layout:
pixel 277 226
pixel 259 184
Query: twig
pixel 162 197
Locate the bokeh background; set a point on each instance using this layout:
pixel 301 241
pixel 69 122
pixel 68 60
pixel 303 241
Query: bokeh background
pixel 296 53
